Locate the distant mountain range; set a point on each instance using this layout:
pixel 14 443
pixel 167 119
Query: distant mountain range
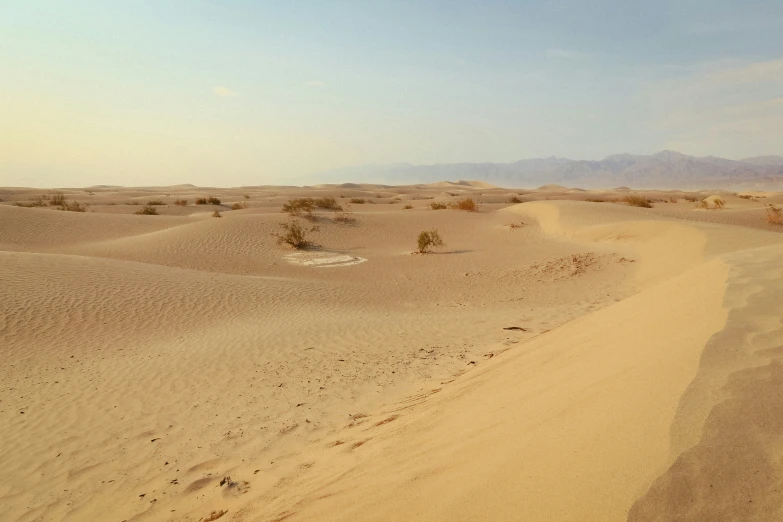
pixel 666 169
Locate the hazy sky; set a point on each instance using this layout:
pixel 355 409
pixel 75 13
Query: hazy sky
pixel 242 92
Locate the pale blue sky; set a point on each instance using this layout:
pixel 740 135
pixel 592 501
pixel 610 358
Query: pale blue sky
pixel 241 92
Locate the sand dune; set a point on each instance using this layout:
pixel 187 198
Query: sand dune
pixel 593 361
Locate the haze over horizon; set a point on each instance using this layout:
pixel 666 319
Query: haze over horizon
pixel 248 93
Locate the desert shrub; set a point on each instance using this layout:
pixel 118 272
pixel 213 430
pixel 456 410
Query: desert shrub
pixel 358 201
pixel 213 201
pixel 407 207
pixel 56 199
pixel 238 206
pixel 298 206
pixel 201 201
pixel 73 206
pixel 774 214
pixel 719 203
pixel 327 203
pixel 345 218
pixel 216 213
pixel 514 199
pixel 428 240
pixel 638 201
pixel 745 196
pixel 181 202
pixel 294 234
pixel 515 225
pixel 437 206
pixel 595 200
pixel 464 204
pixel 703 204
pixel 153 202
pixel 246 196
pixel 690 199
pixel 147 211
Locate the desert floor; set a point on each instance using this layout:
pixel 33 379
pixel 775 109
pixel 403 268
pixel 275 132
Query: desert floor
pixel 594 361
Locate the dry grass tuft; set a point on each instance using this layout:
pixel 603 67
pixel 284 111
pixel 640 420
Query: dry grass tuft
pixel 73 206
pixel 56 199
pixel 181 202
pixel 327 204
pixel 239 206
pixel 719 203
pixel 428 240
pixel 155 202
pixel 703 204
pixel 294 234
pixel 774 214
pixel 358 201
pixel 345 218
pixel 407 207
pixel 514 199
pixel 216 213
pixel 464 204
pixel 147 211
pixel 638 201
pixel 690 199
pixel 438 206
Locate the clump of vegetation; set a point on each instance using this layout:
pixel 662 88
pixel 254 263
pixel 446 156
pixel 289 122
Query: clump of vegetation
pixel 464 204
pixel 327 203
pixel 703 204
pixel 744 196
pixel 437 206
pixel 246 196
pixel 294 234
pixel 428 240
pixel 216 213
pixel 345 218
pixel 718 203
pixel 147 211
pixel 73 206
pixel 774 214
pixel 596 200
pixel 514 199
pixel 213 201
pixel 515 225
pixel 407 207
pixel 298 206
pixel 56 199
pixel 638 201
pixel 358 201
pixel 181 202
pixel 37 201
pixel 155 202
pixel 690 199
pixel 239 206
pixel 201 201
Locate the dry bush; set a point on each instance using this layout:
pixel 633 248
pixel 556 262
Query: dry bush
pixel 719 203
pixel 690 199
pixel 213 201
pixel 239 206
pixel 201 201
pixel 74 206
pixel 673 199
pixel 437 206
pixel 294 234
pixel 774 214
pixel 327 203
pixel 246 196
pixel 345 218
pixel 153 202
pixel 181 202
pixel 407 207
pixel 147 211
pixel 638 201
pixel 298 206
pixel 514 199
pixel 56 199
pixel 464 204
pixel 703 204
pixel 595 200
pixel 428 240
pixel 358 201
pixel 744 196
pixel 216 213
pixel 37 201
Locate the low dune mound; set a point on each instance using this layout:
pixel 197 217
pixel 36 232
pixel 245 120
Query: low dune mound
pixel 553 188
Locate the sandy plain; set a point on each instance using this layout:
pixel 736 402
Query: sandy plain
pixel 594 361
